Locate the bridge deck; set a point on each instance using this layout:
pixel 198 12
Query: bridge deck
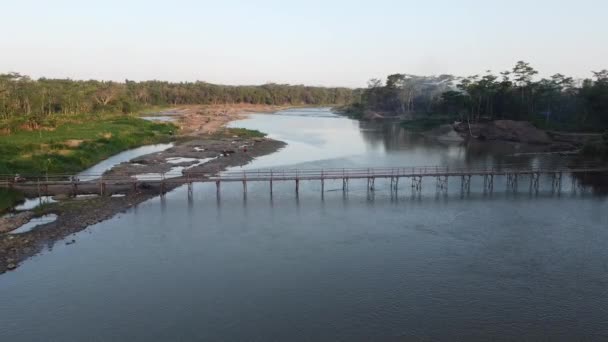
pixel 270 175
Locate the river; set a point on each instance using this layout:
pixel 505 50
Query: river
pixel 355 266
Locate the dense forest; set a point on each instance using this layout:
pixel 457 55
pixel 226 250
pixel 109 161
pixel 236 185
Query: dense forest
pixel 556 102
pixel 22 97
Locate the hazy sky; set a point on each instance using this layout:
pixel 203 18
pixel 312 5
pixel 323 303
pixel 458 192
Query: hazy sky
pixel 330 42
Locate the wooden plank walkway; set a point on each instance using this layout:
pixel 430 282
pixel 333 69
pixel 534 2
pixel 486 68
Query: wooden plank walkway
pixel 104 184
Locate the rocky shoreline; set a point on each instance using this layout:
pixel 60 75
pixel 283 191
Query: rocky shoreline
pixel 204 153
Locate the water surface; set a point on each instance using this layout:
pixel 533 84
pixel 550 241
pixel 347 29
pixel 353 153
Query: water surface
pixel 343 266
pixel 97 170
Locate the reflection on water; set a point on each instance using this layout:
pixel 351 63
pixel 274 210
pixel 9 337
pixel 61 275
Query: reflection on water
pixel 35 222
pixel 327 140
pixel 339 266
pixel 31 203
pixel 96 171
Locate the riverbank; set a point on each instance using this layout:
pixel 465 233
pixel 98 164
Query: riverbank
pixel 208 150
pixel 522 134
pixel 208 119
pixel 74 215
pixel 76 143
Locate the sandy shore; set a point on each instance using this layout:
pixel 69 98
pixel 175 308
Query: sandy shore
pixel 207 119
pixel 201 138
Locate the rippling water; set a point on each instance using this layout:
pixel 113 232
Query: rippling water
pixel 355 266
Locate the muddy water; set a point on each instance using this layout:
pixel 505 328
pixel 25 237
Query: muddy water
pixel 355 266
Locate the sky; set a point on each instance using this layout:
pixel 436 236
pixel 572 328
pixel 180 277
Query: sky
pixel 313 42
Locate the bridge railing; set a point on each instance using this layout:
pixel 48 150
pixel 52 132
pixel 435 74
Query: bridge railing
pixel 279 174
pixel 290 174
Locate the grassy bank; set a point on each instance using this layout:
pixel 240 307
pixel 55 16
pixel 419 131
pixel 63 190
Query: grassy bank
pixel 244 133
pixel 8 199
pixel 75 144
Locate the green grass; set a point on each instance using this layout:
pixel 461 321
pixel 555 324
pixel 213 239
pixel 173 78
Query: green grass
pixel 424 124
pixel 244 133
pixel 56 150
pixel 8 199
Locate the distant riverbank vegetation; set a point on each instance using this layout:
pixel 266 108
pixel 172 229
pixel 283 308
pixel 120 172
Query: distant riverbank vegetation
pixel 77 143
pixel 558 102
pixel 28 102
pixel 65 126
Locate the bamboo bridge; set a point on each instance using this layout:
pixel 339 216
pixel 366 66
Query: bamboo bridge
pixel 515 175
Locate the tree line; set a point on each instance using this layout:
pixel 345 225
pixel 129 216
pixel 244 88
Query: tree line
pixel 24 97
pixel 558 101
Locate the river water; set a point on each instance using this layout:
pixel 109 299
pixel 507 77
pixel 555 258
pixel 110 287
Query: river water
pixel 355 266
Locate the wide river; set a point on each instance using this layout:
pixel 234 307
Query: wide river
pixel 356 266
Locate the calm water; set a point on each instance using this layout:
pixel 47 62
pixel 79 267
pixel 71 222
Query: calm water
pixel 95 171
pixel 361 266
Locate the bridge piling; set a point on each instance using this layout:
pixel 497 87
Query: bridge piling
pixel 190 190
pixel 512 181
pixel 442 184
pixel 534 181
pixel 102 186
pixel 465 184
pixel 417 184
pixel 190 193
pixel 63 184
pixel 556 182
pixel 271 183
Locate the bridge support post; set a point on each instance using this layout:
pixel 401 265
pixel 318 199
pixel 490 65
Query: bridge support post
pixel 102 186
pixel 488 183
pixel 465 185
pixel 512 181
pixel 162 184
pixel 74 187
pixel 442 183
pixel 244 186
pixel 416 183
pixel 577 184
pixel 297 186
pixel 322 185
pixel 217 187
pixel 370 183
pixel 556 182
pixel 344 184
pixel 190 190
pixel 534 181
